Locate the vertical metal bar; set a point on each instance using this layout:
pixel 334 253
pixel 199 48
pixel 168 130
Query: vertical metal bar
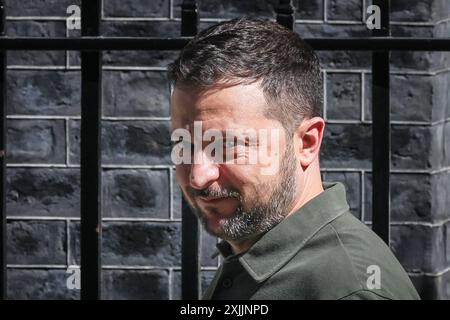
pixel 91 85
pixel 381 130
pixel 3 131
pixel 190 254
pixel 190 230
pixel 285 14
pixel 189 18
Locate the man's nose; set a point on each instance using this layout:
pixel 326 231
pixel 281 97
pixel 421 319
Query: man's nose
pixel 203 172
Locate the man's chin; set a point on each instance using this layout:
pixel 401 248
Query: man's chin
pixel 214 225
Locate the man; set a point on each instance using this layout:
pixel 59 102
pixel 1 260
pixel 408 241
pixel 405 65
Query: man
pixel 286 234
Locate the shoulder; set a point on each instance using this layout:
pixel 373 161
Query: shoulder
pixel 346 260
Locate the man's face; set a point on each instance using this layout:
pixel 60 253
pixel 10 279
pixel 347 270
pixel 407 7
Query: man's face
pixel 235 198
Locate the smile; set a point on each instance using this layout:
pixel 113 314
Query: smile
pixel 213 199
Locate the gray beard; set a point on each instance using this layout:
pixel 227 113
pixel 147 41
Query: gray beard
pixel 262 216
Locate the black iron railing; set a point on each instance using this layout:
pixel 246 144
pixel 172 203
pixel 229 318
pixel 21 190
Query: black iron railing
pixel 190 230
pixel 91 105
pixel 91 46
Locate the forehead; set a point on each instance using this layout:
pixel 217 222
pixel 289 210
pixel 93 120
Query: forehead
pixel 239 105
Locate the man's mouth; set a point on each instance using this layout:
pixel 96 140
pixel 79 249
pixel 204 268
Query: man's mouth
pixel 212 199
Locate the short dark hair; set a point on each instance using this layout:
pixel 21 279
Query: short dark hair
pixel 247 49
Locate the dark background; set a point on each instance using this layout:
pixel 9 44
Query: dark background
pixel 141 201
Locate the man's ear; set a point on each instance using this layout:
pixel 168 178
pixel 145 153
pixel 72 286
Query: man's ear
pixel 309 139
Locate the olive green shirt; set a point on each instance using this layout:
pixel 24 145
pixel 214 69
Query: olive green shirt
pixel 319 252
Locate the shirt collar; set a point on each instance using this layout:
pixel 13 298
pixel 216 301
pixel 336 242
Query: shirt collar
pixel 277 246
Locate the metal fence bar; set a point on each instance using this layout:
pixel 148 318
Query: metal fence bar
pixel 177 43
pixel 3 130
pixel 381 131
pixel 190 229
pixel 285 14
pixel 91 88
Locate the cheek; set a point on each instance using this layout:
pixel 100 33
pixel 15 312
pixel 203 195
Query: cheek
pixel 242 176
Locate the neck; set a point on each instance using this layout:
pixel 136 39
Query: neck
pixel 310 188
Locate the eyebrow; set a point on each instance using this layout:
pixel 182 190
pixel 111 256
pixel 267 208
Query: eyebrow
pixel 235 133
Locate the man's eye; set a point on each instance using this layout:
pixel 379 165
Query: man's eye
pixel 232 143
pixel 229 144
